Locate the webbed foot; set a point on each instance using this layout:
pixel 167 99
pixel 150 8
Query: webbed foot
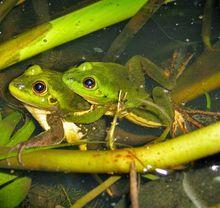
pixel 43 139
pixel 183 115
pixel 19 148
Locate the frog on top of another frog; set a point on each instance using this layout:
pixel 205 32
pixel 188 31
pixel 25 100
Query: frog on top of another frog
pixel 100 83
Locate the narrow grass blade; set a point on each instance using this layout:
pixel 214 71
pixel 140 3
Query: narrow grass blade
pixel 22 134
pixel 7 126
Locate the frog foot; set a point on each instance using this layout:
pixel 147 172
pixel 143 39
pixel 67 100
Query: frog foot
pixel 46 138
pixel 200 112
pixel 178 64
pixel 183 115
pixel 19 148
pixel 180 122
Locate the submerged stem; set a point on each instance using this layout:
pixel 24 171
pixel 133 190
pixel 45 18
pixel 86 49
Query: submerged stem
pixel 95 192
pixel 131 29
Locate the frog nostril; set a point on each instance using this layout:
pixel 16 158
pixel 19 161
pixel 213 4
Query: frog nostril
pixel 19 85
pixel 69 77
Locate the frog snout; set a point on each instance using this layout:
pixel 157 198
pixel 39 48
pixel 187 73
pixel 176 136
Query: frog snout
pixel 18 85
pixel 68 77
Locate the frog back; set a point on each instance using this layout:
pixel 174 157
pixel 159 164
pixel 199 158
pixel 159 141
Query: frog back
pixel 117 78
pixel 100 82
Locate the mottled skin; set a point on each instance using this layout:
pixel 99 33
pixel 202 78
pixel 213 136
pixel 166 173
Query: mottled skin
pixel 47 98
pixel 99 83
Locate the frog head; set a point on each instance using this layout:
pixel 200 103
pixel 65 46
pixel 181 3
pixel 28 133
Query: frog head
pixel 40 88
pixel 94 81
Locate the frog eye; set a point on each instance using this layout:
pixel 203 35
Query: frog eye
pixel 89 82
pixel 39 87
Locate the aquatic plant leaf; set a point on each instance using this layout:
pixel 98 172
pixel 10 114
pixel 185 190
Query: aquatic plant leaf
pixel 7 126
pixel 5 177
pixel 22 134
pixel 12 194
pixel 30 42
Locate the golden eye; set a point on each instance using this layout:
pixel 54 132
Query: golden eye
pixel 89 82
pixel 39 87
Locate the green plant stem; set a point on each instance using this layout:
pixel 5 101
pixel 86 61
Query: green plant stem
pixel 95 192
pixel 66 28
pixel 168 154
pixel 201 76
pixel 207 22
pixel 6 7
pixel 208 101
pixel 131 29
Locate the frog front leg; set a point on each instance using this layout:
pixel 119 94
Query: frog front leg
pixel 53 136
pixel 87 116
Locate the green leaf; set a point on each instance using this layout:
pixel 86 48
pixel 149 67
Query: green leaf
pixel 15 192
pixel 5 177
pixel 7 126
pixel 150 176
pixel 22 134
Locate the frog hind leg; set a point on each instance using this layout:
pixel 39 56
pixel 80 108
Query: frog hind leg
pixel 189 113
pixel 162 98
pixel 179 63
pixel 156 113
pixel 162 107
pixel 95 134
pixel 163 77
pixel 135 71
pixel 143 117
pixel 178 117
pixel 152 70
pixel 147 118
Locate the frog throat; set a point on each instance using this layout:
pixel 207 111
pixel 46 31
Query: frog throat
pixel 72 132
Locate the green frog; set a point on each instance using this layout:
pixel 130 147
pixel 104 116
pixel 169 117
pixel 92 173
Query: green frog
pixel 47 98
pixel 100 83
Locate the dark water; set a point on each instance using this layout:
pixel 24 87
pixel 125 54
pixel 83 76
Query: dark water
pixel 174 26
